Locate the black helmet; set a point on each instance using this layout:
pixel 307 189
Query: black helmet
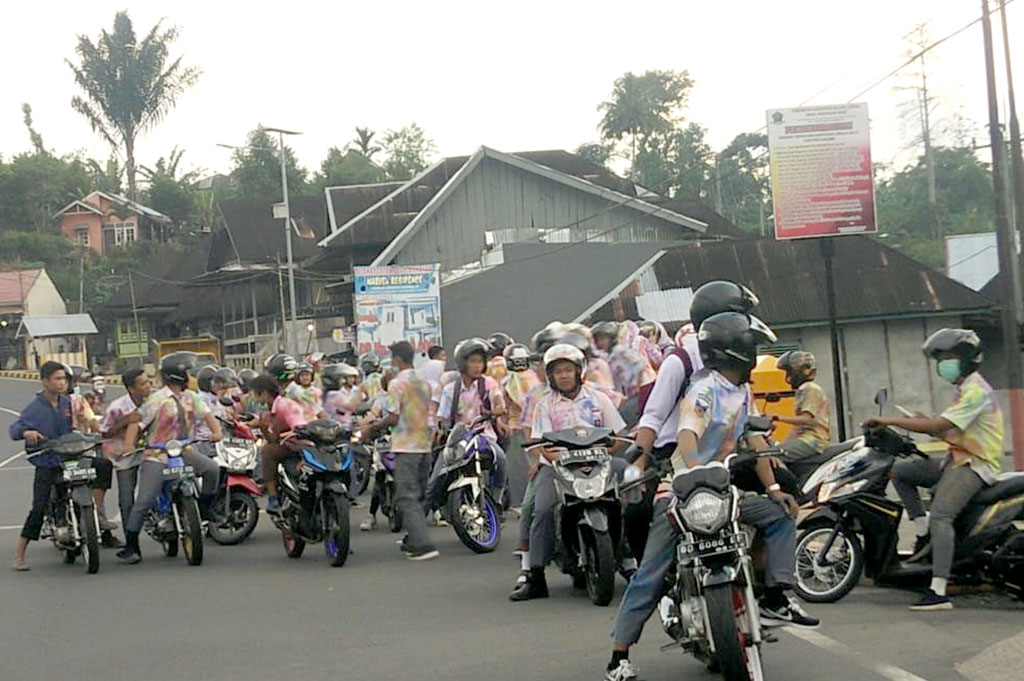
pixel 245 377
pixel 720 296
pixel 961 343
pixel 205 377
pixel 369 363
pixel 332 375
pixel 281 366
pixel 469 347
pixel 610 329
pixel 226 376
pixel 794 363
pixel 729 340
pixel 175 367
pixel 517 357
pixel 546 337
pixel 499 341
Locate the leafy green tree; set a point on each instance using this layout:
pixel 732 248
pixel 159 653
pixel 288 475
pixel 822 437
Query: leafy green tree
pixel 676 163
pixel 364 142
pixel 642 107
pixel 742 183
pixel 129 85
pixel 35 186
pixel 406 151
pixel 168 191
pixel 346 167
pixel 595 152
pixel 257 168
pixel 106 177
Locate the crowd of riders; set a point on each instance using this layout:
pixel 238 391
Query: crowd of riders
pixel 684 399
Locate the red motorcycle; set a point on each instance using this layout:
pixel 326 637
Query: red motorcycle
pixel 235 508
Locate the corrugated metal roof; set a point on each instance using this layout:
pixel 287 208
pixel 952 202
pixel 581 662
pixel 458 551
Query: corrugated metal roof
pixel 45 326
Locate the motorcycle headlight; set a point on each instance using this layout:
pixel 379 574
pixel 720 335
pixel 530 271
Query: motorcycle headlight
pixel 455 453
pixel 173 448
pixel 590 488
pixel 706 512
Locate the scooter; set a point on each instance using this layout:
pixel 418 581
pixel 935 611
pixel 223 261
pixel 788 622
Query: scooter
pixel 175 513
pixel 853 529
pixel 235 508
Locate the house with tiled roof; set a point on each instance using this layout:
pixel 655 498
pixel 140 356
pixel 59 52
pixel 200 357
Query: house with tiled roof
pixel 103 222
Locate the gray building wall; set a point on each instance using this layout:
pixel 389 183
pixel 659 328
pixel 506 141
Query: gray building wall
pixel 516 205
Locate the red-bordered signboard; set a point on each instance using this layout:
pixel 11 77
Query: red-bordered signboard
pixel 821 171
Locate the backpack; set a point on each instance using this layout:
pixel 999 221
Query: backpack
pixel 481 390
pixel 645 390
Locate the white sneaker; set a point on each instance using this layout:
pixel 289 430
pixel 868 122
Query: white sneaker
pixel 369 523
pixel 624 672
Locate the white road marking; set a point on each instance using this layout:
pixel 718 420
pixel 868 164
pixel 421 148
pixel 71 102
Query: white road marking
pixel 9 411
pixel 10 527
pixel 17 468
pixel 12 458
pixel 883 669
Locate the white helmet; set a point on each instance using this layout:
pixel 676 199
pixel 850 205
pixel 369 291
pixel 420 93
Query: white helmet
pixel 565 351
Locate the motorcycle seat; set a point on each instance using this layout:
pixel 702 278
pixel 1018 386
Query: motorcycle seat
pixel 1007 485
pixel 830 452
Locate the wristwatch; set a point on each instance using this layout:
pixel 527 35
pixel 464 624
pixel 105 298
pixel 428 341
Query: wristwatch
pixel 774 487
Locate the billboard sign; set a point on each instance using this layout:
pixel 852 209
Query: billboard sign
pixel 397 302
pixel 821 171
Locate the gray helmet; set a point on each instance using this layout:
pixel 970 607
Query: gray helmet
pixel 794 362
pixel 226 377
pixel 205 377
pixel 332 375
pixel 517 357
pixel 245 377
pixel 281 366
pixel 469 347
pixel 610 329
pixel 961 343
pixel 369 363
pixel 175 367
pixel 546 337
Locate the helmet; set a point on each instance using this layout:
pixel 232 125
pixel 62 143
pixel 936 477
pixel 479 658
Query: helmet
pixel 610 329
pixel 205 377
pixel 469 347
pixel 281 366
pixel 226 376
pixel 684 332
pixel 581 329
pixel 794 363
pixel 578 341
pixel 175 367
pixel 729 340
pixel 499 341
pixel 332 375
pixel 565 351
pixel 961 343
pixel 546 337
pixel 245 377
pixel 650 330
pixel 720 296
pixel 369 363
pixel 304 366
pixel 517 357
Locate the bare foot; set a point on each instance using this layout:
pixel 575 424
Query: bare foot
pixel 19 565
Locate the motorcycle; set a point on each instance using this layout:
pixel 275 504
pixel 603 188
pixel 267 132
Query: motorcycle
pixel 588 516
pixel 71 520
pixel 854 527
pixel 461 488
pixel 175 513
pixel 235 508
pixel 314 491
pixel 384 483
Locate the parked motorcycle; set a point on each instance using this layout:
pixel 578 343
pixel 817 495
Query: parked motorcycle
pixel 314 491
pixel 70 520
pixel 462 490
pixel 854 529
pixel 235 508
pixel 384 484
pixel 588 517
pixel 175 513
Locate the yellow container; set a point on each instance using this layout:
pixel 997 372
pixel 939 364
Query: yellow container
pixel 772 394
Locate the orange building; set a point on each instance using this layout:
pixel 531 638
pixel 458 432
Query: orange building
pixel 103 222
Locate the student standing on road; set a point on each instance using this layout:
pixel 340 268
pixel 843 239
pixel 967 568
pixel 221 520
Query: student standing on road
pixel 407 412
pixel 47 417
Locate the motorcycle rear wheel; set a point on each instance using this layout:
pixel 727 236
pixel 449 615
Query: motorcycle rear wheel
pixel 192 539
pixel 391 508
pixel 479 534
pixel 90 539
pixel 830 583
pixel 293 546
pixel 337 530
pixel 730 649
pixel 600 567
pixel 239 521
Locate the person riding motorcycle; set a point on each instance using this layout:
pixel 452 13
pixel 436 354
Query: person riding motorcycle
pixel 250 409
pixel 371 385
pixel 712 418
pixel 973 427
pixel 496 367
pixel 285 414
pixel 341 396
pixel 630 370
pixel 171 413
pixel 570 403
pixel 811 418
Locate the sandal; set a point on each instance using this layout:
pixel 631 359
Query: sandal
pixel 20 566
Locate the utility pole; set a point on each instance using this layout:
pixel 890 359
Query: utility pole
pixel 1015 144
pixel 135 314
pixel 81 284
pixel 1007 252
pixel 926 129
pixel 293 345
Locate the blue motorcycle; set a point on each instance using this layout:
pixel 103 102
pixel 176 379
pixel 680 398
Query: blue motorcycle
pixel 314 491
pixel 175 513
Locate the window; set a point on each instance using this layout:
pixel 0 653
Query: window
pixel 124 232
pixel 82 235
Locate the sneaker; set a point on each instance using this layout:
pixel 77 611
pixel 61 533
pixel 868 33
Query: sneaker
pixel 106 525
pixel 628 568
pixel 403 544
pixel 624 672
pixel 273 505
pixel 129 555
pixel 922 549
pixel 534 586
pixel 932 601
pixel 369 523
pixel 422 553
pixel 109 541
pixel 439 520
pixel 790 613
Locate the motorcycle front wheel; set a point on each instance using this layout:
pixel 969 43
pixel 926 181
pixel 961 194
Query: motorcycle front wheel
pixel 735 659
pixel 600 567
pixel 90 538
pixel 336 529
pixel 841 570
pixel 390 507
pixel 237 522
pixel 479 530
pixel 192 530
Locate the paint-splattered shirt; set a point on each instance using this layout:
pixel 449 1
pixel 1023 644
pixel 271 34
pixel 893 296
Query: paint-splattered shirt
pixel 978 439
pixel 408 396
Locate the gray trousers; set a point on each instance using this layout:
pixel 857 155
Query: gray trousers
pixel 956 486
pixel 542 522
pixel 411 471
pixel 645 589
pixel 151 481
pixel 127 479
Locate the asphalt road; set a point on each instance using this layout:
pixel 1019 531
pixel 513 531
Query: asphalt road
pixel 251 613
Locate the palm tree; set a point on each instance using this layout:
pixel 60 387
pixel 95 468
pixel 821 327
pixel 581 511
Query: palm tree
pixel 129 85
pixel 364 142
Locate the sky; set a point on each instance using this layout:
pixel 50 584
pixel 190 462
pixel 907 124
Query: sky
pixel 512 76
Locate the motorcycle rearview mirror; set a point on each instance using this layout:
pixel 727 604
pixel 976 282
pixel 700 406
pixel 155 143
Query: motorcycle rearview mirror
pixel 759 424
pixel 773 397
pixel 881 397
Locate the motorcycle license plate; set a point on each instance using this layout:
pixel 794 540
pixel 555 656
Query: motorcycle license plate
pixel 713 545
pixel 238 442
pixel 591 454
pixel 178 472
pixel 72 473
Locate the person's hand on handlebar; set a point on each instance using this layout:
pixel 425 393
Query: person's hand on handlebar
pixel 33 437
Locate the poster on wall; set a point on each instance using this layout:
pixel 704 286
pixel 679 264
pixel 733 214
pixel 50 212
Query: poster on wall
pixel 397 302
pixel 821 171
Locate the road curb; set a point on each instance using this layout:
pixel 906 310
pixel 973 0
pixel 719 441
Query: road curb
pixel 23 375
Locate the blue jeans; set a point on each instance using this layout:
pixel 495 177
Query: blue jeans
pixel 648 584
